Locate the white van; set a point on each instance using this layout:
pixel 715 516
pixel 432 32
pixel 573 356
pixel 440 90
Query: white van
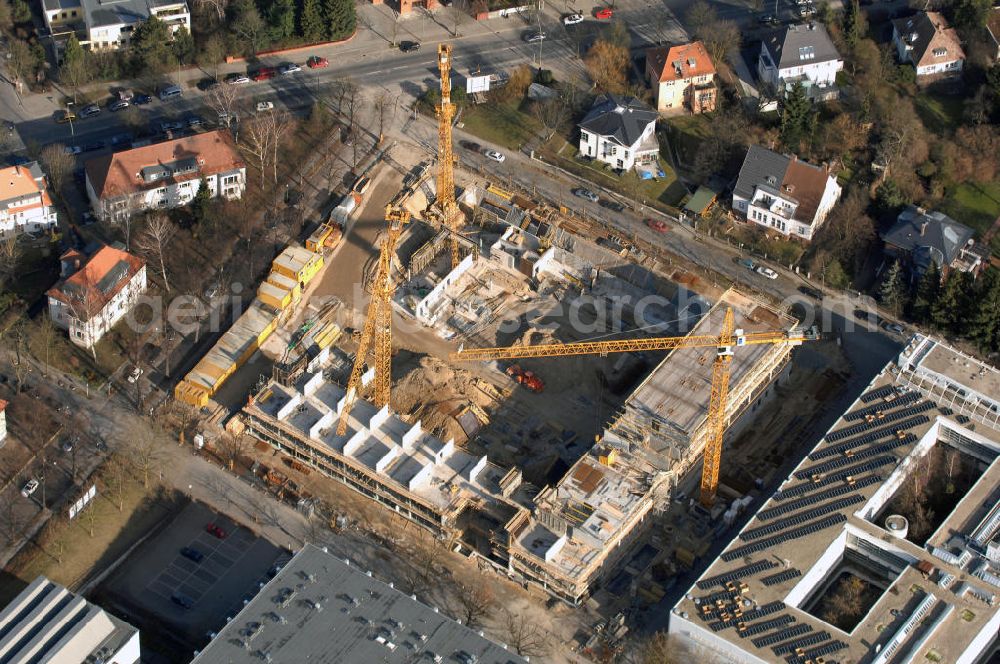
pixel 170 91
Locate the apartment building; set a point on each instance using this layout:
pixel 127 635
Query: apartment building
pixel 928 43
pixel 95 293
pixel 783 193
pixel 682 78
pixel 165 175
pixel 25 204
pixel 802 54
pixel 619 131
pixel 109 24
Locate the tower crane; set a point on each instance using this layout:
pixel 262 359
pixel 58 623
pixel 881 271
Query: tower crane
pixel 451 214
pixel 378 322
pixel 725 342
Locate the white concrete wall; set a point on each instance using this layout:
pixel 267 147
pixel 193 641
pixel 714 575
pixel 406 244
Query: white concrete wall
pixel 128 653
pixel 428 308
pixel 726 651
pixel 815 575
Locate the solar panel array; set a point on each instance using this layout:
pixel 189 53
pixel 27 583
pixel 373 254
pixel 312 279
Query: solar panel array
pixel 778 637
pixel 814 498
pixel 795 533
pixel 748 616
pixel 781 577
pixel 868 438
pixel 880 393
pixel 860 413
pixel 795 520
pixel 824 649
pixel 894 416
pixel 764 625
pixel 736 574
pixel 860 454
pixel 852 471
pixel 804 642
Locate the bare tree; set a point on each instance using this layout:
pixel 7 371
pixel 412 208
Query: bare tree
pixel 20 63
pixel 85 301
pixel 660 648
pixel 232 447
pixel 114 473
pixel 12 520
pixel 259 133
pixel 217 6
pixel 89 517
pixel 11 253
pixel 58 164
pixel 280 126
pixel 154 240
pixel 353 103
pixel 223 99
pixel 122 214
pixel 145 449
pixel 381 108
pixel 524 635
pixel 476 601
pixel 551 114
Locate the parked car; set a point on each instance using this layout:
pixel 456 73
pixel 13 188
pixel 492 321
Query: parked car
pixel 194 121
pixel 134 374
pixel 121 139
pixel 895 328
pixel 766 272
pixel 747 263
pixel 237 79
pixel 471 145
pixel 265 106
pixel 72 149
pixel 495 156
pixel 866 315
pixel 89 111
pixel 69 444
pixel 192 554
pixel 807 10
pixel 125 94
pixel 289 68
pixel 409 46
pixel 65 116
pixel 573 19
pixel 361 186
pixel 263 74
pixel 207 84
pixel 604 13
pixel 657 225
pixel 316 62
pixel 226 119
pixel 814 293
pixel 182 600
pixel 29 488
pixel 585 194
pixel 91 147
pixel 118 105
pixel 170 125
pixel 614 206
pixel 534 36
pixel 215 531
pixel 767 19
pixel 141 100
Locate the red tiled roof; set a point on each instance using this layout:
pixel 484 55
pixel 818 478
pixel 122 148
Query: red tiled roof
pixel 119 173
pixel 82 289
pixel 680 62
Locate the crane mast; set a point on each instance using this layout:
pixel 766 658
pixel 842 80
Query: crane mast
pixel 377 331
pixel 727 339
pixel 451 215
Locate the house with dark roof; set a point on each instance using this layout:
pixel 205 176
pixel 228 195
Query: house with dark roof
pixel 783 193
pixel 165 175
pixel 800 54
pixel 928 43
pixel 619 131
pixel 95 293
pixel 682 78
pixel 919 238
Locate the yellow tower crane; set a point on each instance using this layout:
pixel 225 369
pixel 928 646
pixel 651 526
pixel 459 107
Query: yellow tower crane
pixel 378 322
pixel 451 214
pixel 727 339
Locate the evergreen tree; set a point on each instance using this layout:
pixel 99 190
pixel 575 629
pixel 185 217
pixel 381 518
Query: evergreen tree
pixel 928 289
pixel 152 51
pixel 797 117
pixel 946 309
pixel 183 46
pixel 854 27
pixel 21 12
pixel 888 196
pixel 75 71
pixel 983 324
pixel 73 53
pixel 311 23
pixel 893 290
pixel 281 19
pixel 340 18
pixel 201 202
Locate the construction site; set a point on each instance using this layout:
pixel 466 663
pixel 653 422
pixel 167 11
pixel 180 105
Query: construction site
pixel 544 404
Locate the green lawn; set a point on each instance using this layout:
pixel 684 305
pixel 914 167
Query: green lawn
pixel 502 124
pixel 976 205
pixel 941 114
pixel 686 132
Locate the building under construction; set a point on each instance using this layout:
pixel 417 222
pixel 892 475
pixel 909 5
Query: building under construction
pixel 565 537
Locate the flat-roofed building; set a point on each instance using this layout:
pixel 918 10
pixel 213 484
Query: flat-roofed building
pixel 46 623
pixel 883 544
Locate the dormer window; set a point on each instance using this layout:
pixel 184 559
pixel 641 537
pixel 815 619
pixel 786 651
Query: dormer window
pixel 940 52
pixel 771 180
pixel 807 52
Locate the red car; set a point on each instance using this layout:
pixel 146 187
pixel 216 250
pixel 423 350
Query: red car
pixel 263 74
pixel 604 13
pixel 315 62
pixel 216 531
pixel 657 225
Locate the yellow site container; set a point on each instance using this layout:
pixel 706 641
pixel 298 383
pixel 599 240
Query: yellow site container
pixel 328 335
pixel 286 284
pixel 274 296
pixel 298 263
pixel 609 458
pixel 324 237
pixel 192 395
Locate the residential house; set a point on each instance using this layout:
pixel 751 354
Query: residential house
pixel 620 131
pixel 783 193
pixel 682 77
pixel 110 23
pixel 25 205
pixel 993 28
pixel 919 238
pixel 165 175
pixel 800 54
pixel 95 293
pixel 928 43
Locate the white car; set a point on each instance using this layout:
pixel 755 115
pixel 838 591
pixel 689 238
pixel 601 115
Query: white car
pixel 72 149
pixel 134 374
pixel 573 19
pixel 29 488
pixel 767 272
pixel 265 106
pixel 495 156
pixel 289 68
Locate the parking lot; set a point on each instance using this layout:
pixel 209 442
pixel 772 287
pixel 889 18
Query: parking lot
pixel 186 597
